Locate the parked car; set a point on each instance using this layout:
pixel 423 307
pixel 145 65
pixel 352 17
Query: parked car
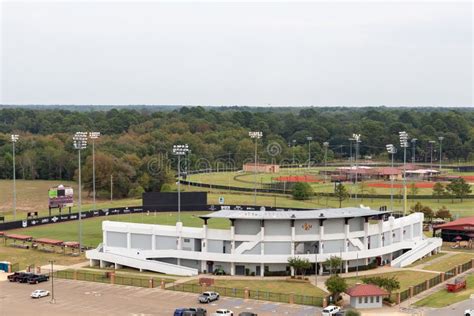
pixel 39 294
pixel 223 312
pixel 331 310
pixel 191 311
pixel 38 278
pixel 219 271
pixel 340 313
pixel 14 277
pixel 208 297
pixel 469 312
pixel 25 277
pixel 247 314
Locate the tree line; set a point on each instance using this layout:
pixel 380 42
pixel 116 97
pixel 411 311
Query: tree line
pixel 135 147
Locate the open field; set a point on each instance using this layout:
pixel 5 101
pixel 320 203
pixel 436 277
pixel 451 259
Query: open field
pixel 92 227
pixel 444 298
pixel 406 278
pixel 274 286
pixel 426 259
pixel 450 262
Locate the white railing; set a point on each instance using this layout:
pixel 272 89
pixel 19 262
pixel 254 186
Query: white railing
pixel 418 252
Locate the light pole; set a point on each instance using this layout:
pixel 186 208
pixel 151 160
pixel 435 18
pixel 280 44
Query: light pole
pixel 93 136
pixel 52 282
pixel 440 152
pixel 413 148
pixel 309 138
pixel 326 145
pixel 256 136
pixel 14 139
pixel 179 150
pixel 350 173
pixel 391 150
pixel 404 144
pixel 80 143
pixel 431 153
pixel 294 145
pixel 356 137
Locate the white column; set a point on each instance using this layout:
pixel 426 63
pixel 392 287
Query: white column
pixel 129 240
pixel 153 242
pixel 321 236
pixel 380 234
pixel 366 233
pixel 104 241
pixel 346 236
pixel 232 268
pixel 204 247
pixel 179 232
pixel 262 247
pixel 293 235
pixel 346 266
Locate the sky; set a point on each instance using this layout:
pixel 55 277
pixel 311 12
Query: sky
pixel 223 53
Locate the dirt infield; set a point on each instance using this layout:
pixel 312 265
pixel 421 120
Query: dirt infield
pixel 387 185
pixel 468 178
pixel 305 178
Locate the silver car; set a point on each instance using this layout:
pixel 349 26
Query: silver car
pixel 208 297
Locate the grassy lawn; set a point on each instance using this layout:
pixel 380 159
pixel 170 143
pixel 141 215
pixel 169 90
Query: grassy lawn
pixel 26 257
pixel 447 247
pixel 92 227
pixel 275 286
pixel 450 262
pixel 427 259
pixel 129 272
pixel 444 298
pixel 406 278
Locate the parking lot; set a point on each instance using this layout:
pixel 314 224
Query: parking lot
pixel 81 298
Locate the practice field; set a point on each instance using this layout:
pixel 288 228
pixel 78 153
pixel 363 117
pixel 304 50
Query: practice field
pixel 406 278
pixel 444 298
pixel 450 262
pixel 92 227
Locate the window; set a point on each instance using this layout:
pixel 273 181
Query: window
pixel 187 240
pixel 366 299
pixel 371 299
pixel 360 300
pixel 378 299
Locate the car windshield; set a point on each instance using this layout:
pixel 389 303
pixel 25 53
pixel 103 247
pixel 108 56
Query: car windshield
pixel 205 294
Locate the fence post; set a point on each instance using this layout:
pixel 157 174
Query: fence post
pixel 203 287
pixel 246 293
pixel 162 284
pixel 10 268
pixel 74 274
pixel 112 277
pixel 292 298
pixel 442 276
pixel 325 302
pixel 472 263
pixel 38 270
pixel 398 298
pixel 411 291
pixel 150 283
pixel 427 284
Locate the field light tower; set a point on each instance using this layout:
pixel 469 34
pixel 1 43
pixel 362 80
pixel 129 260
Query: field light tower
pixel 404 144
pixel 431 153
pixel 80 143
pixel 392 150
pixel 326 145
pixel 256 136
pixel 357 140
pixel 180 150
pixel 309 138
pixel 350 173
pixel 14 139
pixel 294 146
pixel 93 136
pixel 413 148
pixel 440 152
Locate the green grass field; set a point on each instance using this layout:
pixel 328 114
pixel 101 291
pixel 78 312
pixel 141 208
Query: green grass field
pixel 450 262
pixel 444 298
pixel 92 227
pixel 275 286
pixel 426 259
pixel 406 278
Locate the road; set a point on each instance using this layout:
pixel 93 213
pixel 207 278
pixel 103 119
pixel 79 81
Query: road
pixel 89 298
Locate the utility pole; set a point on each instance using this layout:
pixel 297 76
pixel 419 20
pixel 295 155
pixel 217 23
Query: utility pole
pixel 14 139
pixel 256 136
pixel 440 152
pixel 391 150
pixel 431 153
pixel 356 137
pixel 111 187
pixel 80 143
pixel 180 150
pixel 93 136
pixel 326 145
pixel 404 144
pixel 413 143
pixel 52 282
pixel 309 138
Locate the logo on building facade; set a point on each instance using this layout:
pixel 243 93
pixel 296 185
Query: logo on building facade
pixel 307 226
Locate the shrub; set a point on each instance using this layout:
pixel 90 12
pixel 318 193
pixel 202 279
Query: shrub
pixel 302 191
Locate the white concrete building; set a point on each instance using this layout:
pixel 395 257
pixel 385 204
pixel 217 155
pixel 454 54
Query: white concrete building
pixel 260 242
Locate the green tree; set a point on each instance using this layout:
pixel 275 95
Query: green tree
pixel 299 264
pixel 389 284
pixel 336 285
pixel 302 191
pixel 443 213
pixel 352 312
pixel 459 188
pixel 413 190
pixel 341 193
pixel 438 190
pixel 333 264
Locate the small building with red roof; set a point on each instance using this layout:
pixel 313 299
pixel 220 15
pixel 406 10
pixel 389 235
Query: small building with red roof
pixel 366 296
pixel 457 230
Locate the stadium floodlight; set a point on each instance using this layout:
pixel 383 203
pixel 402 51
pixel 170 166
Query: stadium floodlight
pixel 326 145
pixel 309 139
pixel 391 149
pixel 80 143
pixel 351 139
pixel 180 150
pixel 413 143
pixel 14 138
pixel 93 136
pixel 404 144
pixel 294 146
pixel 256 136
pixel 431 153
pixel 357 140
pixel 440 152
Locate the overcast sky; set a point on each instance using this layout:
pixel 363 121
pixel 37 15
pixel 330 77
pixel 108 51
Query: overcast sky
pixel 358 53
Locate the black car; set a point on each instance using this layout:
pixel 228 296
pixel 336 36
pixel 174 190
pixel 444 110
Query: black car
pixel 25 277
pixel 37 278
pixel 14 277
